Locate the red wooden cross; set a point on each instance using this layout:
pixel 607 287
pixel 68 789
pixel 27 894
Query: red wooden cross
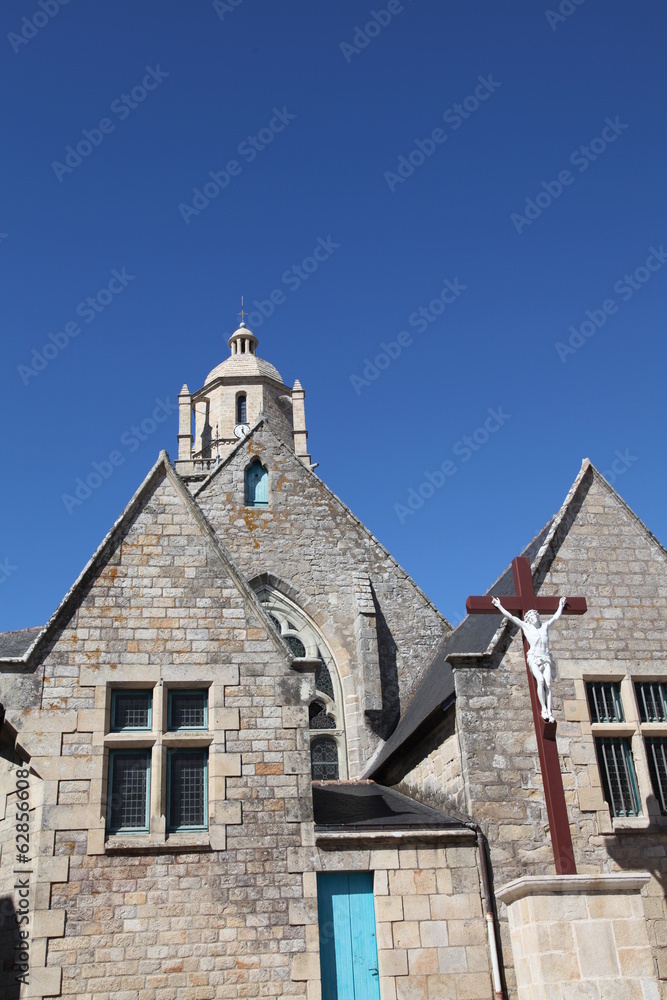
pixel 525 600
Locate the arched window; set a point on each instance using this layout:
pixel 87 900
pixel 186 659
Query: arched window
pixel 241 409
pixel 324 759
pixel 328 752
pixel 257 485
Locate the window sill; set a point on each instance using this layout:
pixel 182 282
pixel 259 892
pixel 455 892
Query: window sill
pixel 176 843
pixel 631 824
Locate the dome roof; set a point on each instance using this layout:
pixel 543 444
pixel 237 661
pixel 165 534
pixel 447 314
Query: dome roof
pixel 243 362
pixel 246 366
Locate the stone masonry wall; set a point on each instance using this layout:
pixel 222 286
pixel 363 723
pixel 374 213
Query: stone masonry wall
pixel 182 917
pixel 306 538
pixel 431 931
pixel 604 553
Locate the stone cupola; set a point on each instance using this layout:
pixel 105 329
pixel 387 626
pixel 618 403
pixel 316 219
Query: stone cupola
pixel 235 394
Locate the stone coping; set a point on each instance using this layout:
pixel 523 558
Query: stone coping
pixel 376 838
pixel 613 884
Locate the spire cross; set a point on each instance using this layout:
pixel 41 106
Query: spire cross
pixel 524 600
pixel 242 314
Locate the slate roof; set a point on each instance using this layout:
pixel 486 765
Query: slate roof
pixel 363 805
pixel 16 643
pixel 435 692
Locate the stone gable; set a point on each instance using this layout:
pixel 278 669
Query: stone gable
pixel 603 552
pixel 164 611
pixel 307 539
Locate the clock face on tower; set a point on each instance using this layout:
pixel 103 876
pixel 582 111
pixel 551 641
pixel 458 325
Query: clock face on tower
pixel 240 430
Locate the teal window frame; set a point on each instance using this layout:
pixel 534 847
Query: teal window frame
pixel 603 696
pixel 171 754
pixel 615 757
pixel 251 487
pixel 656 752
pixel 186 729
pixel 131 692
pixel 653 708
pixel 128 830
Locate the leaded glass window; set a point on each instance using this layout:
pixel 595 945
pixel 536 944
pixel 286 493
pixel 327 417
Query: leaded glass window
pixel 326 709
pixel 129 782
pixel 652 701
pixel 295 645
pixel 604 701
pixel 618 776
pixel 187 790
pixel 324 759
pixel 319 717
pixel 188 709
pixel 131 710
pixel 656 750
pixel 323 680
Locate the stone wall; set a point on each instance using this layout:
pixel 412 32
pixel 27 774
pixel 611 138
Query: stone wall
pixel 164 915
pixel 309 540
pixel 604 553
pixel 431 931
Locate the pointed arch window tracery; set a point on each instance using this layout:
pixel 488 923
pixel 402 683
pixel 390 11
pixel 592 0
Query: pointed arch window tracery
pixel 326 720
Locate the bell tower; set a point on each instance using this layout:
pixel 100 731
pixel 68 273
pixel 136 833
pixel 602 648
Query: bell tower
pixel 236 393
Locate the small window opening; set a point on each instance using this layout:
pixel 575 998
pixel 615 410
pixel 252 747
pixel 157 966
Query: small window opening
pixel 241 410
pixel 257 485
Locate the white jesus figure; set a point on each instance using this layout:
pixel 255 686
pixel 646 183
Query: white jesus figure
pixel 539 658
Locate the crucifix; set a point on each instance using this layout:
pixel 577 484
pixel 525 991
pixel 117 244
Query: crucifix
pixel 538 666
pixel 242 314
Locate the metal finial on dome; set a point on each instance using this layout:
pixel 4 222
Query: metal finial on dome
pixel 242 314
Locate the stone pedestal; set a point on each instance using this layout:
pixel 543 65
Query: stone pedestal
pixel 580 936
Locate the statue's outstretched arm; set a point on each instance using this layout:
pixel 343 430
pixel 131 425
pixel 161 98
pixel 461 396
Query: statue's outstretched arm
pixel 496 603
pixel 561 608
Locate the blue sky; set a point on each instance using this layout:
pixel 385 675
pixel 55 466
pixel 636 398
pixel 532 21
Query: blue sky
pixel 489 183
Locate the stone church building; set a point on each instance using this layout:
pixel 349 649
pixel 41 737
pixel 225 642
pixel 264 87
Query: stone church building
pixel 247 757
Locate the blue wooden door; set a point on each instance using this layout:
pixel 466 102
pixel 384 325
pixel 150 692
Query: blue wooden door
pixel 348 946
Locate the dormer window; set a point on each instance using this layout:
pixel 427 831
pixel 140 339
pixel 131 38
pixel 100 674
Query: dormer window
pixel 257 485
pixel 241 409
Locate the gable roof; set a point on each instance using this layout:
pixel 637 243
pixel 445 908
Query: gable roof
pixel 363 805
pixel 21 652
pixel 16 643
pixel 265 423
pixel 477 638
pixel 435 691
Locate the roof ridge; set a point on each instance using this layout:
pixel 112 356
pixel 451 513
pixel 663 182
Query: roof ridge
pixel 335 497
